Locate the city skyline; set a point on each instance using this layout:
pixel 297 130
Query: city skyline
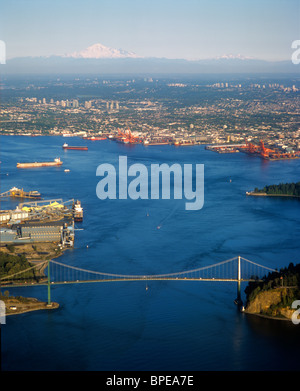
pixel 191 30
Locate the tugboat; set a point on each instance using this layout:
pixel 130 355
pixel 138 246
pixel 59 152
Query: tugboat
pixel 77 211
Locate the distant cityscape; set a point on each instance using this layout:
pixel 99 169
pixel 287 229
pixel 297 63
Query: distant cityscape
pixel 181 112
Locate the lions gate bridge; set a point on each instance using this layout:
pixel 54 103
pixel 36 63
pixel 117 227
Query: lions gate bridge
pixel 51 272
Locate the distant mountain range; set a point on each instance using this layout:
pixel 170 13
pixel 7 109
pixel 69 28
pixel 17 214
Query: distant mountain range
pixel 100 59
pixel 101 51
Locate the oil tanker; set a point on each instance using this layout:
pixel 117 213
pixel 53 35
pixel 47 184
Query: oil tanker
pixel 66 146
pixel 56 162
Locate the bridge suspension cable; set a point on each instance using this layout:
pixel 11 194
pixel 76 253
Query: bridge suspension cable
pixel 234 269
pixel 226 270
pixel 143 276
pixel 256 264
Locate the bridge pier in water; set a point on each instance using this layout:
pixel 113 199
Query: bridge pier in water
pixel 238 301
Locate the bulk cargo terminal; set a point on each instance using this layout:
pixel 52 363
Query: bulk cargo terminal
pixel 40 221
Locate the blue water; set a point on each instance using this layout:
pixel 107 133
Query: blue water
pixel 172 325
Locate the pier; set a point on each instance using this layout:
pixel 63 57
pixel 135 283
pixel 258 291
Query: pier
pixel 225 148
pixel 14 192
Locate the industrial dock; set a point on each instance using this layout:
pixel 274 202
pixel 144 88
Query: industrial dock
pixel 14 192
pixel 40 221
pixel 259 150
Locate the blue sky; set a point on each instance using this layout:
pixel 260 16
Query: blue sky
pixel 191 29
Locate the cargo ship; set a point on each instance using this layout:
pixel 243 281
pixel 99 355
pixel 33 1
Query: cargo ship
pixel 95 138
pixel 77 211
pixel 14 192
pixel 183 143
pixel 66 146
pixel 123 140
pixel 56 162
pixel 146 142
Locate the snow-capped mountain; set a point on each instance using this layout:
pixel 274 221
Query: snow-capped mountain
pixel 234 57
pixel 101 51
pixel 100 58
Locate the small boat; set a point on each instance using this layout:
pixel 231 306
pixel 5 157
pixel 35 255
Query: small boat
pixel 238 301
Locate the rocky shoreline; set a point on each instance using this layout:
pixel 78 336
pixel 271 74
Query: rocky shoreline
pixel 267 316
pixel 265 300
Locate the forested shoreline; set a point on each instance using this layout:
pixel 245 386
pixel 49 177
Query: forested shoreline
pixel 291 189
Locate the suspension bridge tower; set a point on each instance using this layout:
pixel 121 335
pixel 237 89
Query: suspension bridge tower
pixel 49 286
pixel 238 299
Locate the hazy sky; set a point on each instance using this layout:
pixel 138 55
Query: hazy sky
pixel 191 29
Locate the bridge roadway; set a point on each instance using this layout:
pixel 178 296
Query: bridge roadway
pixel 45 283
pixel 72 276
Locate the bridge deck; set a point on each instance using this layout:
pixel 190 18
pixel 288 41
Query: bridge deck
pixel 44 283
pixel 226 271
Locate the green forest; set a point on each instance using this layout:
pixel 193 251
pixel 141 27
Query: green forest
pixel 292 189
pixel 11 264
